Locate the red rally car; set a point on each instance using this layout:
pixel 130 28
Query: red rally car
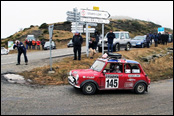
pixel 110 72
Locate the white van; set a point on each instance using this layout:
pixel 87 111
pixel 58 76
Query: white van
pixel 47 45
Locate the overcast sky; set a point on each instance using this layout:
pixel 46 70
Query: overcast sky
pixel 21 14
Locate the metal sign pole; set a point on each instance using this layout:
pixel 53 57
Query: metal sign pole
pixel 87 42
pixel 50 28
pixel 102 39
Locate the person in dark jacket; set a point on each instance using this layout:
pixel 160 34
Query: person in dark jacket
pixel 77 44
pixel 110 37
pixel 30 44
pixel 148 38
pixel 96 34
pixel 42 43
pixel 159 38
pixel 166 36
pixel 156 39
pixel 92 46
pixel 21 49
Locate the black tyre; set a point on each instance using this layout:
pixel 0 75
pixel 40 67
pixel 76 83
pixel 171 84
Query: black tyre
pixel 89 89
pixel 140 88
pixel 128 46
pixel 117 47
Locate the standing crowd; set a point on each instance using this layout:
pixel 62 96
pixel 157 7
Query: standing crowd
pixel 158 39
pixel 32 44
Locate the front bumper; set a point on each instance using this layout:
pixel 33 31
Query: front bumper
pixel 72 81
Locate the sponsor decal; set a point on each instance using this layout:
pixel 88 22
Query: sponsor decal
pixel 89 77
pixel 133 75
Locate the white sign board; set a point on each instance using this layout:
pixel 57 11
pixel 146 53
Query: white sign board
pixel 50 28
pixel 94 13
pixel 94 20
pixel 10 45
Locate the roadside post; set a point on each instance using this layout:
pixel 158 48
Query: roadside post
pixel 50 29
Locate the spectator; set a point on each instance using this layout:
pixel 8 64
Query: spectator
pixel 96 38
pixel 148 40
pixel 156 40
pixel 92 46
pixel 38 44
pixel 110 37
pixel 166 38
pixel 30 44
pixel 163 38
pixel 159 38
pixel 42 43
pixel 33 44
pixel 77 44
pixel 151 37
pixel 21 49
pixel 26 43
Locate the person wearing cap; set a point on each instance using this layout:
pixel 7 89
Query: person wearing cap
pixel 21 49
pixel 77 44
pixel 92 47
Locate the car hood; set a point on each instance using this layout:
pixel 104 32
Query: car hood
pixel 85 73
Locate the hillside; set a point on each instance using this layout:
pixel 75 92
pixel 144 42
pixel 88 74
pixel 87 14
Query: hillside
pixel 62 30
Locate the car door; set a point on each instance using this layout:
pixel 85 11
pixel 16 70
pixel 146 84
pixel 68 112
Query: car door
pixel 112 80
pixel 132 74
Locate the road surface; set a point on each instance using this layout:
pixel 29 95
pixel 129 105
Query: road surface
pixel 65 100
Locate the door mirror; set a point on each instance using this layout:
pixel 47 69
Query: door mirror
pixel 104 71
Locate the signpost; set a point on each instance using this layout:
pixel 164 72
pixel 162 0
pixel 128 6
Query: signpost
pixel 90 18
pixel 50 29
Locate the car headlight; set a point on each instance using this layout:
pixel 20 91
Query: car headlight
pixel 77 77
pixel 70 73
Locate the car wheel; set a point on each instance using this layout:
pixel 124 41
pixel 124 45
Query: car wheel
pixel 140 88
pixel 128 47
pixel 117 47
pixel 89 89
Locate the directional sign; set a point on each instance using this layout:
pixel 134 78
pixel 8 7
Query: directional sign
pixel 94 20
pixel 74 31
pixel 94 13
pixel 50 28
pixel 72 19
pixel 89 29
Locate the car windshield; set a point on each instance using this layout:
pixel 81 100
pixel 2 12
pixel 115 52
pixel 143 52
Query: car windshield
pixel 48 43
pixel 98 65
pixel 138 38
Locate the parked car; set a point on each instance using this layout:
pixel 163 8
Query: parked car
pixel 170 38
pixel 70 44
pixel 47 45
pixel 121 39
pixel 139 41
pixel 103 75
pixel 4 51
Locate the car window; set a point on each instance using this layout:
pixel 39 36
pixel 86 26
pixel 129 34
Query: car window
pixel 114 68
pixel 122 36
pixel 126 35
pixel 116 35
pixel 131 68
pixel 98 65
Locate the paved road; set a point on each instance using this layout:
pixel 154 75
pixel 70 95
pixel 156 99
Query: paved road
pixel 54 100
pixel 36 59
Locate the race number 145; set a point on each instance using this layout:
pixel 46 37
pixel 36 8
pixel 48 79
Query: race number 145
pixel 111 83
